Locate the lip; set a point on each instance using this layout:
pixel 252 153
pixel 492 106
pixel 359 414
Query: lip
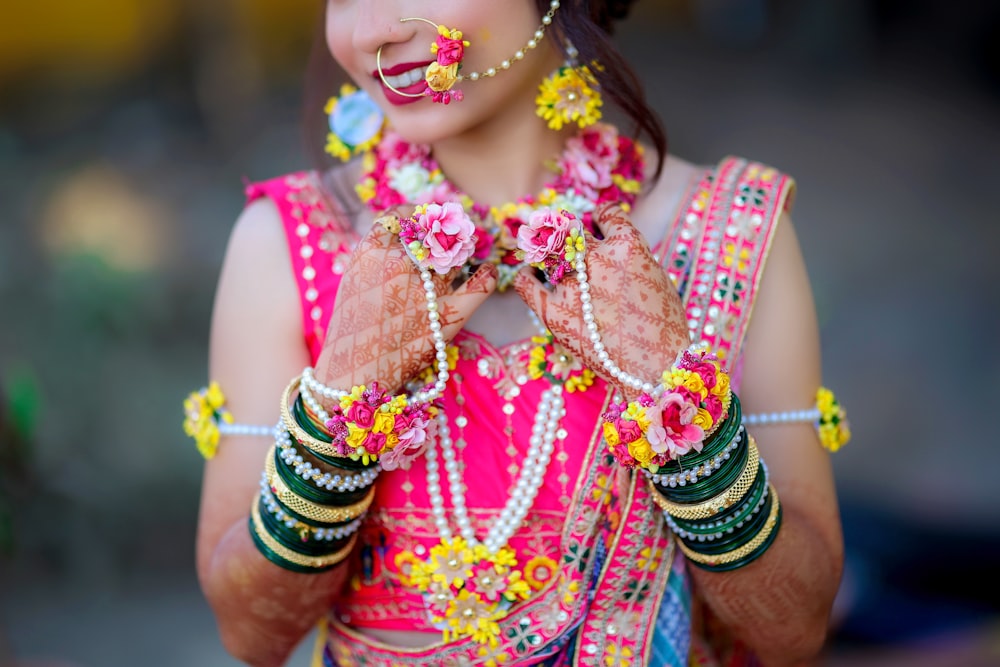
pixel 392 96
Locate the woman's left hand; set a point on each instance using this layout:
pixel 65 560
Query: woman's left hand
pixel 638 312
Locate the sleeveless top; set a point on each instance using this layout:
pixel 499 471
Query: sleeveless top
pixel 594 548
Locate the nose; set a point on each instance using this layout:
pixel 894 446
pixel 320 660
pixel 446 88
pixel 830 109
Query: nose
pixel 378 24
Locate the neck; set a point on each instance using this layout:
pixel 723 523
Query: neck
pixel 503 159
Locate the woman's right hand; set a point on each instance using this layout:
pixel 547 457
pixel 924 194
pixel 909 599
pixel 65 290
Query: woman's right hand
pixel 379 329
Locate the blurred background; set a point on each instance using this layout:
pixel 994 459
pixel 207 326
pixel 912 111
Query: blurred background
pixel 127 130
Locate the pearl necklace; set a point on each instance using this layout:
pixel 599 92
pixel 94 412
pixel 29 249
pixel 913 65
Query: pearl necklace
pixel 530 478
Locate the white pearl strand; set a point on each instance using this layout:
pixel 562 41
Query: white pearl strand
pixel 580 264
pixel 530 478
pixel 323 480
pixel 691 476
pixel 520 53
pixel 310 384
pixel 788 417
pixel 244 429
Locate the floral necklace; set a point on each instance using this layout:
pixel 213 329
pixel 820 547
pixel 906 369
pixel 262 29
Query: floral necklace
pixel 598 165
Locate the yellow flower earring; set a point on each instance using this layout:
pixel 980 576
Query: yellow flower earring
pixel 569 95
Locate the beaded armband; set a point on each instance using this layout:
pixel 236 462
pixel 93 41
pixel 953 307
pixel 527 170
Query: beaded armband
pixel 828 416
pixel 206 419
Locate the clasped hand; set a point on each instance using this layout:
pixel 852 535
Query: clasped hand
pixel 380 331
pixel 639 315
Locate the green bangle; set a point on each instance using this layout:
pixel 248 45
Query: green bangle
pixel 737 538
pixel 306 424
pixel 278 560
pixel 728 517
pixel 290 539
pixel 710 486
pixel 754 555
pixel 302 488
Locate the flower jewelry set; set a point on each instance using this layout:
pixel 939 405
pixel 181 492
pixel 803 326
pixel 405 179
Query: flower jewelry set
pixel 686 432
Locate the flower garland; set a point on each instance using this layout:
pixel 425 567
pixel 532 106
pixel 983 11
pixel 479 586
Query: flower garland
pixel 203 411
pixel 654 429
pixel 369 424
pixel 468 589
pixel 598 165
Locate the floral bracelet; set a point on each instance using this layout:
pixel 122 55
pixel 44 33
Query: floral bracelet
pixel 551 240
pixel 370 425
pixel 679 416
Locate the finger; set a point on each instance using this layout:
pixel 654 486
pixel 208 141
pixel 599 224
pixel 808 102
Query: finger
pixel 531 291
pixel 612 220
pixel 471 294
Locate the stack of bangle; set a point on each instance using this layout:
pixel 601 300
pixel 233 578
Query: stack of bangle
pixel 312 498
pixel 719 502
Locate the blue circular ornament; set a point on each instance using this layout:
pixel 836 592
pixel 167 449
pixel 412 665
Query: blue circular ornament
pixel 356 119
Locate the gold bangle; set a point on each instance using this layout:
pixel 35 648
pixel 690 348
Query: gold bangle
pixel 709 508
pixel 308 509
pixel 738 553
pixel 298 433
pixel 293 556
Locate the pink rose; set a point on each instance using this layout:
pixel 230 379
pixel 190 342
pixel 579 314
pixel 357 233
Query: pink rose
pixel 707 372
pixel 450 51
pixel 362 414
pixel 451 235
pixel 374 442
pixel 628 430
pixel 671 431
pixel 544 234
pixel 622 455
pixel 714 406
pixel 589 160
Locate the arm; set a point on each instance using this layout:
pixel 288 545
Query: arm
pixel 779 604
pixel 379 330
pixel 256 348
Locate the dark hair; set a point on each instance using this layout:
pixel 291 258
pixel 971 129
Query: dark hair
pixel 586 24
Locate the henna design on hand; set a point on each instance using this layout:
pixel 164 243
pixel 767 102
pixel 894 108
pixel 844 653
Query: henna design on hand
pixel 638 311
pixel 379 329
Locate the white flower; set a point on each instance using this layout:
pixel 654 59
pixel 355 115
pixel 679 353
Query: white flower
pixel 410 180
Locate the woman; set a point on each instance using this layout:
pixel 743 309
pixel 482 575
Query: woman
pixel 520 505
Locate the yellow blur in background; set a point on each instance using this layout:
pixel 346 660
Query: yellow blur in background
pixel 101 41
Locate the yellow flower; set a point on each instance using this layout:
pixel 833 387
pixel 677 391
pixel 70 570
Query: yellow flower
pixel 641 451
pixel 441 77
pixel 384 421
pixel 610 434
pixel 203 410
pixel 580 382
pixel 365 189
pixel 721 387
pixel 517 588
pixel 568 96
pixel 407 564
pixel 695 384
pixel 618 657
pixel 824 400
pixel 702 419
pixel 629 185
pixel 638 414
pixel 539 571
pixel 355 436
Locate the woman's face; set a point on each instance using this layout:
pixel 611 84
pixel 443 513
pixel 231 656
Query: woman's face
pixel 496 29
